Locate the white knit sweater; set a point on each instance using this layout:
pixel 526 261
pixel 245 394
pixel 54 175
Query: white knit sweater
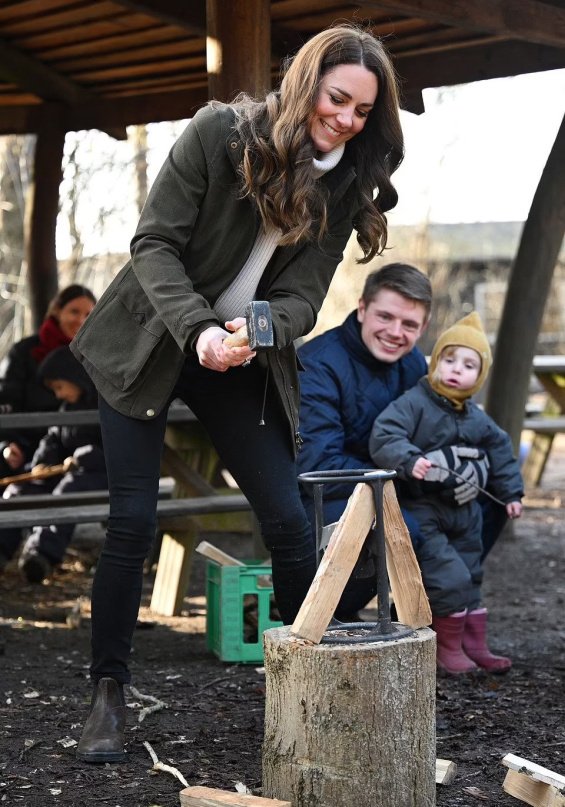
pixel 232 301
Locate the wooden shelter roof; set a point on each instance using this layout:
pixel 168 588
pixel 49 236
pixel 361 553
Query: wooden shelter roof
pixel 117 62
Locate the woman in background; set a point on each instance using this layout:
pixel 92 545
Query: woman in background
pixel 21 390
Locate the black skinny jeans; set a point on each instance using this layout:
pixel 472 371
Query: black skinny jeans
pixel 260 458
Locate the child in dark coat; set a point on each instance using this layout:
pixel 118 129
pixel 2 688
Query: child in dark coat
pixel 79 447
pixel 413 435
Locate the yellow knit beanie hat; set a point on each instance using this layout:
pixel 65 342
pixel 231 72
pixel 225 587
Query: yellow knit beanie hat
pixel 467 332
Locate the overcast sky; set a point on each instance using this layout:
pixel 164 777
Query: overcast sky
pixel 478 151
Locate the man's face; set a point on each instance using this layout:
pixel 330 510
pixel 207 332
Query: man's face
pixel 391 324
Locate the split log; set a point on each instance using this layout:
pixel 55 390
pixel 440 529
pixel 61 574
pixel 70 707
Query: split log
pixel 336 566
pixel 446 771
pixel 212 797
pixel 350 723
pixel 531 791
pixel 534 771
pixel 409 594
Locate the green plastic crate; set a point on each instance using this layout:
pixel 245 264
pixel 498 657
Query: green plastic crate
pixel 230 590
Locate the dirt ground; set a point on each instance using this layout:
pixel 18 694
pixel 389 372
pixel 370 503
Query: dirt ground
pixel 211 728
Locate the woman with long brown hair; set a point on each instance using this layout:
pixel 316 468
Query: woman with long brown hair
pixel 256 201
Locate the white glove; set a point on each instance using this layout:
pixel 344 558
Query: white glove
pixel 471 475
pixel 448 459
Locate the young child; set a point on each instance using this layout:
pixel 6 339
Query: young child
pixel 413 435
pixel 79 447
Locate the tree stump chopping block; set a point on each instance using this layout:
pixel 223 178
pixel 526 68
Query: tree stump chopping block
pixel 350 724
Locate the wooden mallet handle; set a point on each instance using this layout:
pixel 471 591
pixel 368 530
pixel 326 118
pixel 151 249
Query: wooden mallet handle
pixel 238 338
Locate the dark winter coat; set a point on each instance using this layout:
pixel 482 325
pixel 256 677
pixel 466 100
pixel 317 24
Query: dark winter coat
pixel 343 390
pixel 194 236
pixel 84 443
pixel 23 391
pixel 422 421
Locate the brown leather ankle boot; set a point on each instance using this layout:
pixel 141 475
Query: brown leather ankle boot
pixel 102 738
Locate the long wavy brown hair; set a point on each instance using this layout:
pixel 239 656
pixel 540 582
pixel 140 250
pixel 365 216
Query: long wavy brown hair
pixel 277 167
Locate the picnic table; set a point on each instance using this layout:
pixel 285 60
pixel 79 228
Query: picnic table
pixel 200 500
pixel 550 372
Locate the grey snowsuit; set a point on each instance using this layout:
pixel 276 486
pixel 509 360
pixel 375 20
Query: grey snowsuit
pixel 450 554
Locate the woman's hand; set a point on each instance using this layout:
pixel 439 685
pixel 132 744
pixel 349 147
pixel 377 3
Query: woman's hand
pixel 213 354
pixel 13 455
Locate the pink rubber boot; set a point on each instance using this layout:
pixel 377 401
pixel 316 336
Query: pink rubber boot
pixel 475 643
pixel 450 656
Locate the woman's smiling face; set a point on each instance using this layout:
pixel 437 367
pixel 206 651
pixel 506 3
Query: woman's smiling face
pixel 347 94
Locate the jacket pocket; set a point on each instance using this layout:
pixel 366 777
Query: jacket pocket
pixel 119 336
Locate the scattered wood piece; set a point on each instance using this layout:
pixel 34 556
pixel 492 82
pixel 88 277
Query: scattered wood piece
pixel 336 566
pixel 530 791
pixel 160 766
pixel 535 771
pixel 555 503
pixel 218 555
pixel 410 598
pixel 147 710
pixel 476 793
pixel 212 797
pixel 446 771
pixel 74 615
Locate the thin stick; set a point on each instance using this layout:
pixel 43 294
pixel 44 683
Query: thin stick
pixel 468 482
pixel 160 766
pixel 147 710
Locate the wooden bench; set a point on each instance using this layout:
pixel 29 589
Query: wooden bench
pixel 170 512
pixel 550 373
pixel 198 502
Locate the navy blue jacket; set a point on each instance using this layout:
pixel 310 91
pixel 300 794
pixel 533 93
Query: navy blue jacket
pixel 343 389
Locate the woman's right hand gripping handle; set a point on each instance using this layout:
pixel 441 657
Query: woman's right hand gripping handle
pixel 215 355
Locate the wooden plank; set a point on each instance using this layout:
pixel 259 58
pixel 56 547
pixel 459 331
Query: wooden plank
pixel 83 417
pixel 408 592
pixel 530 791
pixel 533 770
pixel 547 425
pixel 336 566
pixel 93 513
pixel 446 771
pixel 212 797
pixel 217 555
pixel 173 571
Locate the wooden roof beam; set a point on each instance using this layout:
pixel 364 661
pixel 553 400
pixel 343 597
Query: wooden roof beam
pixel 527 20
pixel 32 75
pixel 481 62
pixel 106 113
pixel 190 16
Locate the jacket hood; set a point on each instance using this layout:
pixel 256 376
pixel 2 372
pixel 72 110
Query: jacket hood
pixel 60 364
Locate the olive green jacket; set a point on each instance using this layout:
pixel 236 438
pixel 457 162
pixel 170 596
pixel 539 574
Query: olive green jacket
pixel 194 236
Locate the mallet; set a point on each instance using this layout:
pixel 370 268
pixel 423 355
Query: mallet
pixel 258 329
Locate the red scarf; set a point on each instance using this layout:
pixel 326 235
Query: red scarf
pixel 50 337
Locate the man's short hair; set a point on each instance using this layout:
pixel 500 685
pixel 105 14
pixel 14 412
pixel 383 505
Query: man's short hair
pixel 402 278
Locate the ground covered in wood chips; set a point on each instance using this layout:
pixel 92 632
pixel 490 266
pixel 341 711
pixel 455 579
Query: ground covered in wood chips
pixel 211 728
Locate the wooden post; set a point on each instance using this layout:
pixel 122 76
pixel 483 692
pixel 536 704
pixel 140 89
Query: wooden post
pixel 350 724
pixel 528 289
pixel 238 48
pixel 41 216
